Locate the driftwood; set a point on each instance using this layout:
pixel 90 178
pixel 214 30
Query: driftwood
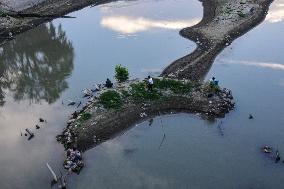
pixel 52 172
pixel 30 133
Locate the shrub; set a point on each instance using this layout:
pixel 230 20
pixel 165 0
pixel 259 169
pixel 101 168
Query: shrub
pixel 177 87
pixel 210 87
pixel 111 99
pixel 121 73
pixel 86 116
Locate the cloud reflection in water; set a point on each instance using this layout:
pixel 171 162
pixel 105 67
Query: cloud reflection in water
pixel 131 25
pixel 276 12
pixel 271 65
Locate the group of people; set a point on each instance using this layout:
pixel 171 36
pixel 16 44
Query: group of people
pixel 150 83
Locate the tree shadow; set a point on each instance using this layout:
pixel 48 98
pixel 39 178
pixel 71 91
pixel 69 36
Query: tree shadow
pixel 36 64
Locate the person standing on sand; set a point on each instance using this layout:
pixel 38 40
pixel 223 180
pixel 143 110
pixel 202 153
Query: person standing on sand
pixel 150 83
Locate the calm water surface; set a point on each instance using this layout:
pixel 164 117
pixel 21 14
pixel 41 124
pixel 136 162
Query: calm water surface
pixel 54 62
pixel 42 69
pixel 184 151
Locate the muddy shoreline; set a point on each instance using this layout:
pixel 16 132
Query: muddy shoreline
pixel 11 26
pixel 196 65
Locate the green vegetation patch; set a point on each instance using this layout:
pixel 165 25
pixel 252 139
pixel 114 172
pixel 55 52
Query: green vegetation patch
pixel 241 14
pixel 210 87
pixel 139 92
pixel 111 99
pixel 121 73
pixel 85 116
pixel 177 87
pixel 3 14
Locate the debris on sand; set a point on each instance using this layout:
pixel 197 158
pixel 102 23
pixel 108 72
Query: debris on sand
pixel 87 92
pixel 73 161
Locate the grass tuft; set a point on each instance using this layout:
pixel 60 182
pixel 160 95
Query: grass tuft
pixel 139 92
pixel 176 87
pixel 111 99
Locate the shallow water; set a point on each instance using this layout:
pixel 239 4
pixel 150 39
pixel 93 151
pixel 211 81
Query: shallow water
pixel 44 68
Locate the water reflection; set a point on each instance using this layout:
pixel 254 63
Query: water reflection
pixel 35 65
pixel 131 17
pixel 276 12
pixel 271 65
pixel 130 25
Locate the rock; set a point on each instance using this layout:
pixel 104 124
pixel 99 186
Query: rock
pixel 70 121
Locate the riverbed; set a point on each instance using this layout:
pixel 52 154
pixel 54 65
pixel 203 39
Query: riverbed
pixel 44 68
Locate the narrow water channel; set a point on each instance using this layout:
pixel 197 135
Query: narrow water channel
pixel 44 68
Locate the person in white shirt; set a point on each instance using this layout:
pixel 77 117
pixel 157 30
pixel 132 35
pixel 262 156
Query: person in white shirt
pixel 150 83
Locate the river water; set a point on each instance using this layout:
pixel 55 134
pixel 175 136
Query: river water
pixel 44 68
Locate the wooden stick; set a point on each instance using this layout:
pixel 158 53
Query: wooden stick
pixel 52 172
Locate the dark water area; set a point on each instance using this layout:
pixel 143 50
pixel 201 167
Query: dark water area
pixel 44 68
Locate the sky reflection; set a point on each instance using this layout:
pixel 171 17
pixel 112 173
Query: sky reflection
pixel 276 12
pixel 270 65
pixel 148 15
pixel 129 25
